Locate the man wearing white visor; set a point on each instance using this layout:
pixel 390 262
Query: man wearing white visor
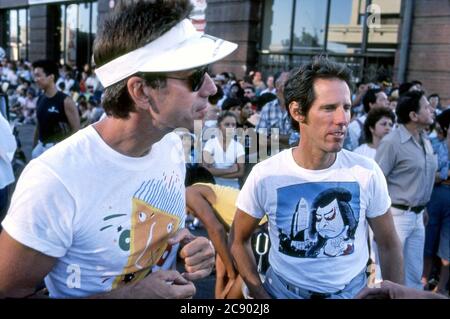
pixel 102 214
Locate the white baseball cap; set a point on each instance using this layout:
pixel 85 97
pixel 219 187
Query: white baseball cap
pixel 181 48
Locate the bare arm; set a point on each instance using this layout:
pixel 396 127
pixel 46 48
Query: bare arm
pixel 198 199
pixel 208 162
pixel 240 169
pixel 390 290
pixel 71 111
pixel 389 247
pixel 240 235
pixel 23 268
pixel 36 134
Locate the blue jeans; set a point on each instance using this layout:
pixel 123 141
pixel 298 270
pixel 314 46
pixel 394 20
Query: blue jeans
pixel 278 288
pixel 438 227
pixel 411 232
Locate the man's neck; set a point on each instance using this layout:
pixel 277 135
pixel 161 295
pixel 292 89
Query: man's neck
pixel 50 91
pixel 131 137
pixel 313 159
pixel 414 130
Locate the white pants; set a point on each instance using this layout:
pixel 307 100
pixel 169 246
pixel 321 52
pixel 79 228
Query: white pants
pixel 411 231
pixel 40 149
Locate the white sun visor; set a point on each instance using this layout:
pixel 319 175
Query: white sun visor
pixel 181 48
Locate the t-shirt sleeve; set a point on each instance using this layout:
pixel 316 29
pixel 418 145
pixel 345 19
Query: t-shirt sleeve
pixel 379 197
pixel 249 199
pixel 42 212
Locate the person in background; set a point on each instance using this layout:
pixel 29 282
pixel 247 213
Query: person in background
pixel 56 113
pixel 437 231
pixel 214 206
pixel 223 156
pixel 378 124
pixel 407 160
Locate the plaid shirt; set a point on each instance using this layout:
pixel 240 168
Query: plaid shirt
pixel 273 117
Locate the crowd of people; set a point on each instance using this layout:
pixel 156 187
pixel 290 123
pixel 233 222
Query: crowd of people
pixel 296 150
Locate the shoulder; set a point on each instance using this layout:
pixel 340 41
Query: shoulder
pixel 273 163
pixel 72 152
pixel 350 159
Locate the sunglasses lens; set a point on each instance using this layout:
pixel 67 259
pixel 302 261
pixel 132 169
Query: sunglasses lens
pixel 197 79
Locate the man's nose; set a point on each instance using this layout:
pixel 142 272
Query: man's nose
pixel 209 87
pixel 342 116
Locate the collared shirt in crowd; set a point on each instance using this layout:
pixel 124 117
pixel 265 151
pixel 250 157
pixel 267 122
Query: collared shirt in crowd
pixel 273 117
pixel 408 166
pixel 441 150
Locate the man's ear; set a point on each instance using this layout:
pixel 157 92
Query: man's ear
pixel 136 87
pixel 413 116
pixel 294 111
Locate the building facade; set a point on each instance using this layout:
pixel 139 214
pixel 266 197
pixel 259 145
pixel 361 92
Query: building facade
pixel 378 39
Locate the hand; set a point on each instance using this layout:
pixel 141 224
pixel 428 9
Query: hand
pixel 197 252
pixel 162 284
pixel 224 281
pixel 390 290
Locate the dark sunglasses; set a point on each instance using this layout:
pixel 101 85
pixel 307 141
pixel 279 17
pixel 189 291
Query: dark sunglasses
pixel 195 80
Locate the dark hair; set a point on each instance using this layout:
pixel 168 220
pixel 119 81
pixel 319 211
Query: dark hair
pixel 197 174
pixel 130 26
pixel 229 103
pixel 373 117
pixel 444 120
pixel 434 95
pixel 370 97
pixel 225 115
pixel 409 102
pixel 300 85
pixel 263 99
pixel 49 68
pixel 404 88
pixel 213 99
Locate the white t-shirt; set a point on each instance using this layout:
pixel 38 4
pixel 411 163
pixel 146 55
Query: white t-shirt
pixel 366 150
pixel 106 217
pixel 8 147
pixel 317 218
pixel 224 159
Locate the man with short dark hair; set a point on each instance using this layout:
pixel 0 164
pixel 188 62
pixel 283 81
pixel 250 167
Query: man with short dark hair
pixel 56 113
pixel 407 160
pixel 102 214
pixel 318 199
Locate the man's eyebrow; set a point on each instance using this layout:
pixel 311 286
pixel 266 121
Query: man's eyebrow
pixel 334 105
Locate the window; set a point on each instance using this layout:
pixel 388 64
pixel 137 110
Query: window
pixel 78 29
pixel 344 30
pixel 18 40
pixel 277 25
pixel 309 25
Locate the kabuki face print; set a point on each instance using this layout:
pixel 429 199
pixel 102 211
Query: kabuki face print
pixel 329 222
pixel 318 220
